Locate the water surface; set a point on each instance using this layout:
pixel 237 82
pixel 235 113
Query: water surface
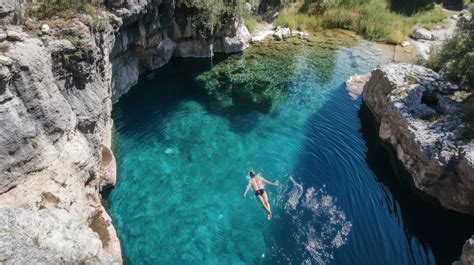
pixel 183 157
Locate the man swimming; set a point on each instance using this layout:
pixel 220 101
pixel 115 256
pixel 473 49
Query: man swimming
pixel 257 182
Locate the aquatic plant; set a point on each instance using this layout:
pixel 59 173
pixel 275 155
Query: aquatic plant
pixel 260 77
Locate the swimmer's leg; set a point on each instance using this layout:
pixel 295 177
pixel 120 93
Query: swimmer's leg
pixel 265 198
pixel 262 201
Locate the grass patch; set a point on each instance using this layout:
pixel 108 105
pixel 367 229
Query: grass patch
pixel 372 19
pixel 251 23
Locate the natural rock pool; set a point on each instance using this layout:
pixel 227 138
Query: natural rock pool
pixel 185 141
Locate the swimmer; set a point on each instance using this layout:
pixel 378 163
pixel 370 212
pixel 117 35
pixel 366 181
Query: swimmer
pixel 257 182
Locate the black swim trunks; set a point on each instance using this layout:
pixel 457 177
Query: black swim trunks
pixel 259 192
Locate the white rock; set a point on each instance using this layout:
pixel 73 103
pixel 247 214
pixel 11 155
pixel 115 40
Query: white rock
pixel 422 34
pixel 437 27
pixel 4 60
pixel 405 43
pixel 282 33
pixel 3 36
pixel 248 7
pixel 45 29
pixel 14 36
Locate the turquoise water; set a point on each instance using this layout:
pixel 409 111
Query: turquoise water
pixel 183 158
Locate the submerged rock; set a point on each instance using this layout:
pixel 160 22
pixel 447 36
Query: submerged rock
pixel 422 119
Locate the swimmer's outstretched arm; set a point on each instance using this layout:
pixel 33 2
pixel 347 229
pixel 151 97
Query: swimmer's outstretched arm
pixel 247 189
pixel 268 182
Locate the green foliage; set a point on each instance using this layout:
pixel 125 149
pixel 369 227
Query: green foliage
pixel 372 19
pixel 455 60
pixel 209 15
pixel 251 23
pixel 51 8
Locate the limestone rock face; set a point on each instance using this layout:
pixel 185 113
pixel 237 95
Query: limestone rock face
pixel 45 236
pixel 421 117
pixel 56 94
pixel 153 31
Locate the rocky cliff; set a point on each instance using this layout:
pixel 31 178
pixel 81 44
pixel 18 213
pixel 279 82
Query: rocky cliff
pixel 57 85
pixel 421 116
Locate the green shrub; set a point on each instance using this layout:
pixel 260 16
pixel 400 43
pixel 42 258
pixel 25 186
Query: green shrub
pixel 455 60
pixel 49 8
pixel 209 15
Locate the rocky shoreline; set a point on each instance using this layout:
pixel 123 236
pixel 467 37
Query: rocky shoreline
pixel 421 117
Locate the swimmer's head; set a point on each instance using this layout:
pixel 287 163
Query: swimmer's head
pixel 251 173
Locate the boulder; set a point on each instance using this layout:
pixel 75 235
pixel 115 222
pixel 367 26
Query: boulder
pixel 282 33
pixel 467 256
pixel 4 60
pixel 3 36
pixel 45 29
pixel 422 34
pixel 422 118
pixel 14 36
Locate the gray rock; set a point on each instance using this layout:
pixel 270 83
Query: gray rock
pixel 423 122
pixel 4 60
pixel 422 34
pixel 282 33
pixel 48 236
pixel 237 41
pixel 3 36
pixel 57 46
pixel 467 257
pixel 14 36
pixel 7 6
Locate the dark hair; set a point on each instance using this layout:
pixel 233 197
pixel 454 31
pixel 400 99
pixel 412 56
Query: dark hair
pixel 251 173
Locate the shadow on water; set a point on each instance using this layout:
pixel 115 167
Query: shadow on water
pixel 444 230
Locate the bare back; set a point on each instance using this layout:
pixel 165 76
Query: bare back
pixel 256 183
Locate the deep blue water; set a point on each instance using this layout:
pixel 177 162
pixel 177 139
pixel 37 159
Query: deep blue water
pixel 182 164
